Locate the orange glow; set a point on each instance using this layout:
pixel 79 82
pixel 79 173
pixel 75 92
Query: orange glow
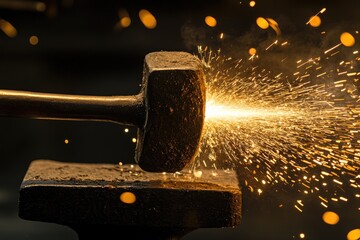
pixel 274 25
pixel 315 21
pixel 354 234
pixel 147 19
pixel 125 22
pixel 252 51
pixel 262 22
pixel 252 3
pixel 33 40
pixel 210 21
pixel 347 39
pixel 8 28
pixel 330 218
pixel 127 197
pixel 66 141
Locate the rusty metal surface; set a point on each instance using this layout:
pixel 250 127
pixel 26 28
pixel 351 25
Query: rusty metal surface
pixel 81 194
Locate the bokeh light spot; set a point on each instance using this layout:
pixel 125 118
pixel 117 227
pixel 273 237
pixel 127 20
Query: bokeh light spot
pixel 210 21
pixel 147 19
pixel 347 39
pixel 128 197
pixel 330 218
pixel 252 51
pixel 315 21
pixel 262 23
pixel 33 40
pixel 354 234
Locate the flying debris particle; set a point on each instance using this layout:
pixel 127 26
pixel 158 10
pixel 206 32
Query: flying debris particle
pixel 221 35
pixel 8 28
pixel 33 40
pixel 147 18
pixel 262 23
pixel 210 21
pixel 330 218
pixel 354 234
pixel 252 51
pixel 252 3
pixel 347 39
pixel 315 21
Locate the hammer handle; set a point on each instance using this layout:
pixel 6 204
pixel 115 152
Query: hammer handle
pixel 126 110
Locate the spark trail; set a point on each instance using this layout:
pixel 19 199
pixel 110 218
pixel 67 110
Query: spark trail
pixel 300 129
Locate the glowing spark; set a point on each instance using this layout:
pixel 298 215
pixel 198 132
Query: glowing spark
pixel 237 112
pixel 299 209
pixel 316 15
pixel 343 199
pixel 302 235
pixel 133 140
pixel 126 130
pixel 330 218
pixel 252 3
pixel 297 127
pixel 331 49
pixel 272 44
pixel 66 141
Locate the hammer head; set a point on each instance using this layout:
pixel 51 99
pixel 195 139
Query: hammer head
pixel 174 93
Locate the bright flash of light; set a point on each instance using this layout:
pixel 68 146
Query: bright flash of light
pixel 298 128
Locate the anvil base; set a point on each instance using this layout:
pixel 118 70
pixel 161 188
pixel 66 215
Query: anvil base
pixel 87 198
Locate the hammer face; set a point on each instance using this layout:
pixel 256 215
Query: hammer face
pixel 174 89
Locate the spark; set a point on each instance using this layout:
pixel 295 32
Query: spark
pixel 297 128
pixel 316 15
pixel 332 48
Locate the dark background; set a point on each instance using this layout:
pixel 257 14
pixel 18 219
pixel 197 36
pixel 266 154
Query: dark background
pixel 81 52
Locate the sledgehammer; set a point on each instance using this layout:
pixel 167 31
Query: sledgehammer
pixel 169 110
